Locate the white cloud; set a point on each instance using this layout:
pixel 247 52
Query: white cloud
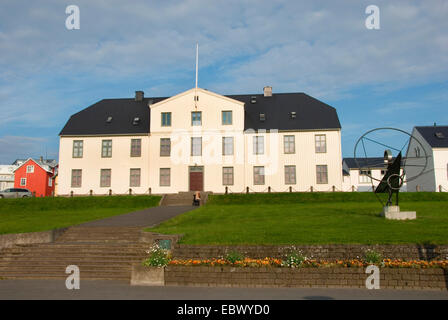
pixel 318 47
pixel 22 147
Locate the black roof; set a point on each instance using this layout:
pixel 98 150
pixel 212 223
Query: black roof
pixel 310 114
pixel 373 162
pixel 436 136
pixel 92 120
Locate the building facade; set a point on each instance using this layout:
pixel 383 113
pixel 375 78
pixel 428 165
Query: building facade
pixel 432 144
pixel 36 176
pixel 358 174
pixel 200 140
pixel 6 176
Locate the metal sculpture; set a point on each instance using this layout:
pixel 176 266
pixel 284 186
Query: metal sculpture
pixel 394 166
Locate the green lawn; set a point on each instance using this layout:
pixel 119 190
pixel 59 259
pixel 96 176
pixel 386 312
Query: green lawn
pixel 310 218
pixel 40 214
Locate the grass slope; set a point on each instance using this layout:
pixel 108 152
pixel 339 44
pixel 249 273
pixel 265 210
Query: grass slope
pixel 40 214
pixel 310 218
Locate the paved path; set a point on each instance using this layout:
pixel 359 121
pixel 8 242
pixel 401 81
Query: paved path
pixel 143 218
pixel 96 289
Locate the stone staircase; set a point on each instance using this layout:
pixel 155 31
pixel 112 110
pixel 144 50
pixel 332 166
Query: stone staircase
pixel 183 198
pixel 101 234
pixel 105 253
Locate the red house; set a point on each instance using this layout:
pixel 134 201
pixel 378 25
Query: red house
pixel 36 176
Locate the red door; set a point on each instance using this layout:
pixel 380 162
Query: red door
pixel 196 179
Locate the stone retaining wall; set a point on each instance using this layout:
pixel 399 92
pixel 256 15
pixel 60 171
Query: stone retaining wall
pixel 402 278
pixel 327 252
pixel 9 240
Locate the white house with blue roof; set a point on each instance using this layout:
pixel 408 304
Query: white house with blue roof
pixel 434 140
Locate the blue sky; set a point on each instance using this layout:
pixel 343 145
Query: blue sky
pixel 395 76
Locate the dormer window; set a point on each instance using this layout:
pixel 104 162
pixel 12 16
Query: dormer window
pixel 253 99
pixel 262 117
pixel 439 135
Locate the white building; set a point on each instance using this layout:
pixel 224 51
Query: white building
pixel 200 140
pixel 434 141
pixel 357 173
pixel 7 176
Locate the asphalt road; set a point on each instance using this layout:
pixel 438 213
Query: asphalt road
pixel 105 290
pixel 142 218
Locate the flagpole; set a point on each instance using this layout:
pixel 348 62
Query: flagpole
pixel 196 86
pixel 197 58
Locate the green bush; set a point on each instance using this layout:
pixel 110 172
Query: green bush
pixel 234 256
pixel 371 256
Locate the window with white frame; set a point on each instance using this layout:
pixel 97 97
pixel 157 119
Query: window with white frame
pixel 364 176
pixel 165 147
pixel 30 169
pixel 258 145
pixel 321 143
pixel 196 146
pixel 50 182
pixel 76 178
pixel 78 146
pixel 106 149
pixel 322 174
pixel 227 146
pixel 134 177
pixel 105 178
pixel 227 176
pixel 136 147
pixel 22 182
pixel 165 177
pixel 290 174
pixel 289 144
pixel 258 175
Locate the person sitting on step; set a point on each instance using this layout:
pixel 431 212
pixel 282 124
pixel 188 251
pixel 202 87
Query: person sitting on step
pixel 197 198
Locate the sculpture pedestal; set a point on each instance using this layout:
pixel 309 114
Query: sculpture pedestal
pixel 394 213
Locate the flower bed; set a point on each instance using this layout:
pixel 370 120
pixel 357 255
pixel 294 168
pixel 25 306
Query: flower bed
pixel 310 263
pixel 294 270
pixel 159 257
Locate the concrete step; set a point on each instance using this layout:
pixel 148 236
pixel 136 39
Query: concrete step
pixel 92 265
pixel 178 199
pixel 84 275
pixel 55 259
pixel 74 250
pixel 99 252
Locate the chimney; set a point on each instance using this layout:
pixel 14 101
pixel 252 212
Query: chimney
pixel 139 95
pixel 267 91
pixel 41 159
